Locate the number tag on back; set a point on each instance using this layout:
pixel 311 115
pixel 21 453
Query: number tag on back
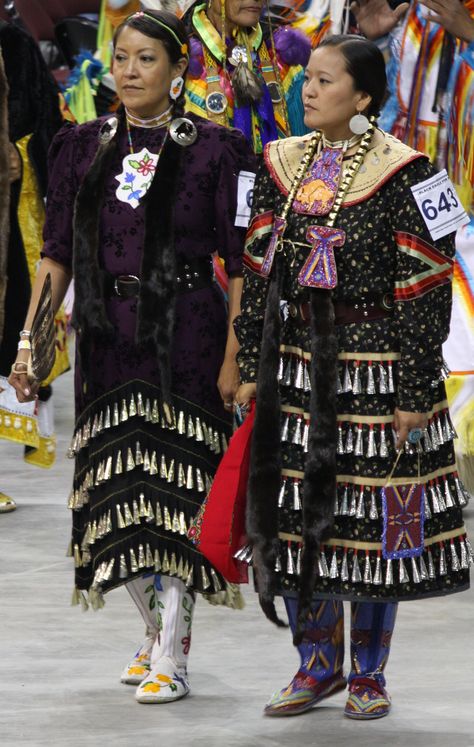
pixel 439 205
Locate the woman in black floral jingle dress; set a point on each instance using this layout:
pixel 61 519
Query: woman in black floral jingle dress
pixel 137 204
pixel 344 395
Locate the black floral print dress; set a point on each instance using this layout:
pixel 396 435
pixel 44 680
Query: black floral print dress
pixel 394 361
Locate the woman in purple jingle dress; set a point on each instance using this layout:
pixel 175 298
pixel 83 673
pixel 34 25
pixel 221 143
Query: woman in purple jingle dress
pixel 137 204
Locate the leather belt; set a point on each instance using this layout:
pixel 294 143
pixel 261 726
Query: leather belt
pixel 192 275
pixel 350 310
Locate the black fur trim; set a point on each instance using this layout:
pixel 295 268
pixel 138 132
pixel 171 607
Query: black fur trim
pixel 319 488
pixel 156 305
pixel 265 460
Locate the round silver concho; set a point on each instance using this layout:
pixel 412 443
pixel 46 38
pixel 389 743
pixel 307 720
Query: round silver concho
pixel 108 130
pixel 216 103
pixel 274 91
pixel 239 54
pixel 183 131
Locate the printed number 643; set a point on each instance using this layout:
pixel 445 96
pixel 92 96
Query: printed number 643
pixel 447 200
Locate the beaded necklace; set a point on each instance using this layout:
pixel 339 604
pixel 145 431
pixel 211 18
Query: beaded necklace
pixel 319 269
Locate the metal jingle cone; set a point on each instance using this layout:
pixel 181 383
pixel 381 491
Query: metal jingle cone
pixel 443 570
pixel 190 431
pixel 159 517
pixel 138 454
pixel 377 580
pixel 278 564
pixel 426 504
pixel 128 516
pixel 189 478
pixel 439 429
pixel 280 369
pixel 415 572
pixel 140 408
pixel 371 447
pixel 153 464
pixel 391 385
pixel 136 513
pixel 155 412
pixel 352 503
pixel 108 468
pixel 133 561
pixel 296 495
pixel 287 373
pixel 340 444
pixel 175 526
pixel 115 417
pixel 337 508
pixel 434 436
pixel 440 495
pixel 333 569
pixel 167 519
pixel 339 387
pixel 306 379
pixel 130 460
pixel 147 411
pixel 204 579
pixel 373 513
pixel 183 529
pixel 464 562
pixel 349 445
pixel 423 569
pixel 285 429
pixel 389 573
pixel 150 514
pixel 431 568
pixel 383 380
pixel 449 500
pixel 281 495
pixel 359 444
pixel 118 464
pixel 123 412
pixel 173 565
pixel 149 556
pixel 434 499
pixel 356 577
pixel 298 561
pixel 199 481
pixel 165 565
pixel 305 441
pixel 156 561
pixel 132 408
pixel 345 501
pixel 323 563
pixel 462 501
pixel 347 383
pixel 146 461
pixel 290 567
pixel 299 375
pixel 367 569
pixel 344 566
pixel 297 438
pixel 123 570
pixel 163 468
pixel 170 477
pixel 180 568
pixel 199 435
pixel 141 557
pixel 356 383
pixel 455 564
pixel 360 511
pixel 370 379
pixel 427 445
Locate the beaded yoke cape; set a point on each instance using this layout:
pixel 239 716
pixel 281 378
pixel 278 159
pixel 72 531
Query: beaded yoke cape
pixel 138 481
pixel 382 364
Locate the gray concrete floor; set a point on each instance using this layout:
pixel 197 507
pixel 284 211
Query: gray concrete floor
pixel 59 667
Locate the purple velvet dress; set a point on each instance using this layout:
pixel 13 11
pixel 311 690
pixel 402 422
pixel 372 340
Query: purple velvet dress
pixel 138 481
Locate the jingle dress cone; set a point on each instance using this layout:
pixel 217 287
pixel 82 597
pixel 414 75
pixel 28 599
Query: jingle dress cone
pixel 380 364
pixel 139 480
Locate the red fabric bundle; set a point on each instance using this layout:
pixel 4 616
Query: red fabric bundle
pixel 219 528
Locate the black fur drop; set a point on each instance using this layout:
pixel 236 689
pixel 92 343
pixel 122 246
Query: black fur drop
pixel 319 488
pixel 265 461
